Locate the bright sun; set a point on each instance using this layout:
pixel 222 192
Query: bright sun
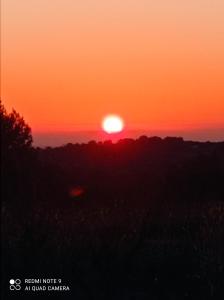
pixel 112 124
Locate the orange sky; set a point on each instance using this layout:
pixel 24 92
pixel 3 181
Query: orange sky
pixel 157 63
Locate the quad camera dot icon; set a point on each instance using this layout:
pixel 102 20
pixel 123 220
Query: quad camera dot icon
pixel 15 284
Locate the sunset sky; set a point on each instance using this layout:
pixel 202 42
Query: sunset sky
pixel 157 63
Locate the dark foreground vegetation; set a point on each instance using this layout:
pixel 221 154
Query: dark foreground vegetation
pixel 139 219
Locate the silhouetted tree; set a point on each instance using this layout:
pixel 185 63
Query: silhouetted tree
pixel 16 157
pixel 15 133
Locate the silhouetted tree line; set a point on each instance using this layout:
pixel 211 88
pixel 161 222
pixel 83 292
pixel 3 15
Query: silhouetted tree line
pixel 131 220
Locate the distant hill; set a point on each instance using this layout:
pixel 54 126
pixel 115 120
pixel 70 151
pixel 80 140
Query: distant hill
pixel 55 139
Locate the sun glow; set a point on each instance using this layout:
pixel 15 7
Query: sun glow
pixel 112 124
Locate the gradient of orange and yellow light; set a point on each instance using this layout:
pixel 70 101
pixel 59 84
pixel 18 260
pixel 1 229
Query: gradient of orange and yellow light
pixel 157 63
